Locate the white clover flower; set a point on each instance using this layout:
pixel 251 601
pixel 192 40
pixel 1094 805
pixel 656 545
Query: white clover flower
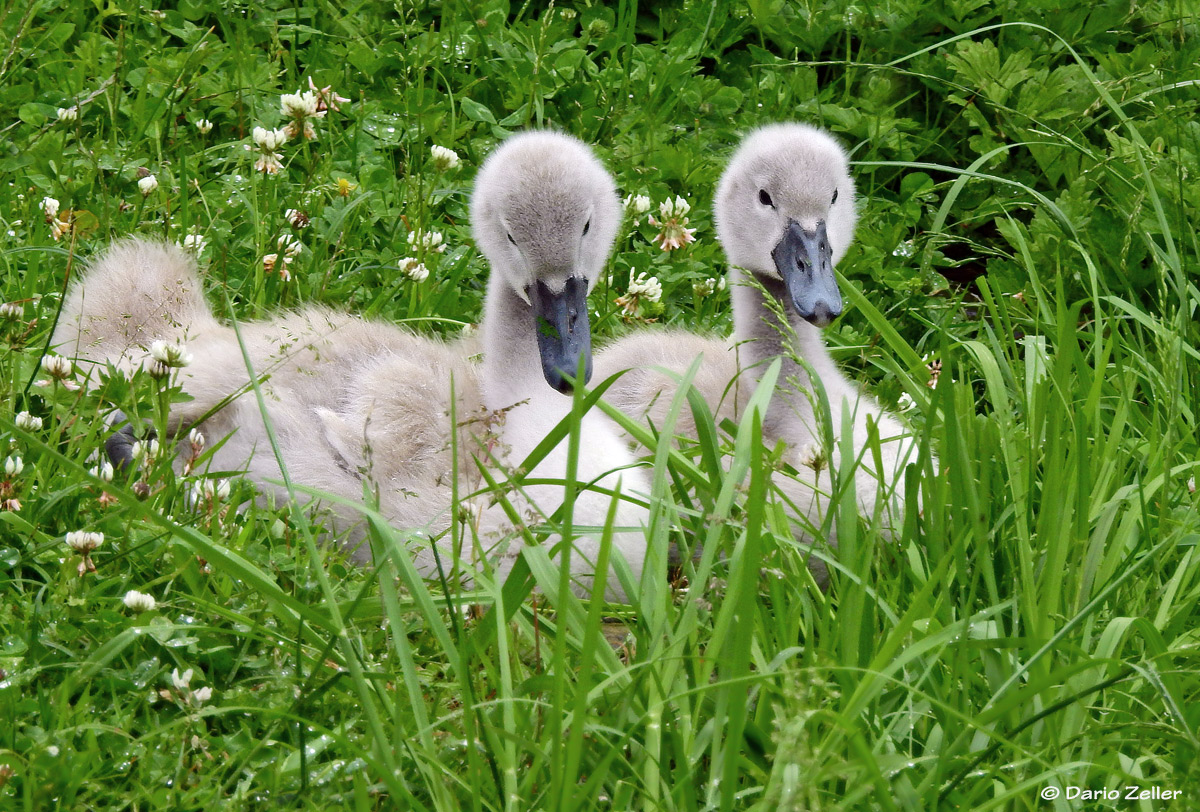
pixel 148 184
pixel 170 354
pixel 102 470
pixel 673 231
pixel 57 367
pixel 181 681
pixel 150 449
pixel 444 158
pixel 11 311
pixel 84 541
pixel 811 455
pixel 935 372
pixel 202 695
pixel 704 287
pixel 301 108
pixel 290 246
pixel 268 140
pixel 272 264
pixel 194 243
pixel 327 99
pixel 301 127
pixel 139 601
pixel 642 288
pixel 204 126
pixel 268 163
pixel 414 269
pixel 646 288
pixel 298 219
pixel 301 104
pixel 637 204
pixel 426 241
pixel 203 492
pixel 1191 484
pixel 58 226
pixel 28 421
pixel 50 207
pixel 13 466
pixel 68 114
pixel 196 440
pixel 674 208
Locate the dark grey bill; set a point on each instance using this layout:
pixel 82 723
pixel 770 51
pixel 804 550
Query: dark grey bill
pixel 563 334
pixel 805 261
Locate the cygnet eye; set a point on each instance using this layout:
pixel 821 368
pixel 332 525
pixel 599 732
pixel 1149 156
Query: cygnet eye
pixel 831 202
pixel 587 227
pixel 765 198
pixel 510 239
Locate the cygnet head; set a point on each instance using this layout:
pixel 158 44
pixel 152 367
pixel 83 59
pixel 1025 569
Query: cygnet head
pixel 545 213
pixel 785 212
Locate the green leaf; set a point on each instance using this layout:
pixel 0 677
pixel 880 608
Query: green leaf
pixel 476 111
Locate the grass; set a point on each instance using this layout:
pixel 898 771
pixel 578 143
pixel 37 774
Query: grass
pixel 1028 220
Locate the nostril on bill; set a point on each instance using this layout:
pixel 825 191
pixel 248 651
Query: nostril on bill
pixel 823 314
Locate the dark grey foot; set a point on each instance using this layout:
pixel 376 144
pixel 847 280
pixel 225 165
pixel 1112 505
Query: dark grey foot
pixel 119 445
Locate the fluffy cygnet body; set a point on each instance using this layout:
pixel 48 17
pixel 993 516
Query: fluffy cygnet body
pixel 785 215
pixel 358 404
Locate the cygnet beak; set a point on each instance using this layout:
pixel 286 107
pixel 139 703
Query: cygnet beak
pixel 805 261
pixel 563 334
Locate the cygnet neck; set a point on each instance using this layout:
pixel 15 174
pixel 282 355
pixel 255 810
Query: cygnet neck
pixel 763 337
pixel 512 366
